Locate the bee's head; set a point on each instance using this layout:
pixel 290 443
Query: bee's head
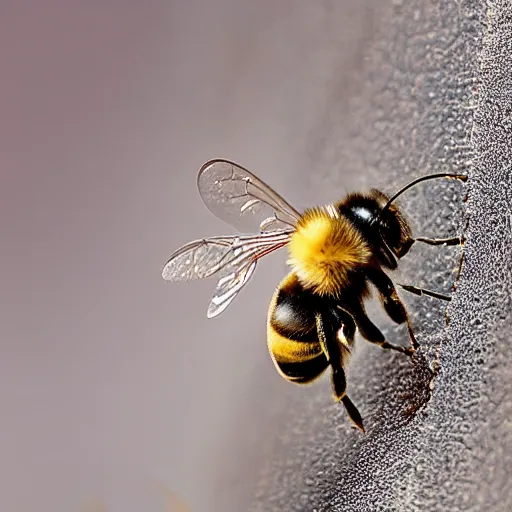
pixel 384 229
pixel 392 226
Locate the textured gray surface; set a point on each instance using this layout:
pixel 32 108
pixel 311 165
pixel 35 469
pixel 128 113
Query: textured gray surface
pixel 439 98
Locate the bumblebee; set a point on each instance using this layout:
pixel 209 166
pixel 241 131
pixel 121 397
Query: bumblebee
pixel 336 252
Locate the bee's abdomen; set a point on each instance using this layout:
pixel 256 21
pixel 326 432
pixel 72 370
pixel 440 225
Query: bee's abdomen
pixel 292 336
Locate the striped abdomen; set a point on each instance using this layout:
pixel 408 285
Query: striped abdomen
pixel 292 335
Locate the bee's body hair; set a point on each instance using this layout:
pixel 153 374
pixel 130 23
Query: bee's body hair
pixel 333 245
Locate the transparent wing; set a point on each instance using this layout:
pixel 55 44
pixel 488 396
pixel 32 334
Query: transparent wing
pixel 233 257
pixel 241 199
pixel 228 288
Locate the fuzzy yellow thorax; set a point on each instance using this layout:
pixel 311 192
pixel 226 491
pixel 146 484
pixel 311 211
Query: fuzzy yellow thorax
pixel 324 248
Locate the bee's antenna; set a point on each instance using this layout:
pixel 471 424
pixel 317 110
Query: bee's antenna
pixel 461 177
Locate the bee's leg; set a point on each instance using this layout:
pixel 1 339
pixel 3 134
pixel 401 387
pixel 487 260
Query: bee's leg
pixel 327 336
pixel 391 301
pixel 422 291
pixel 457 240
pixel 353 413
pixel 387 257
pixel 371 332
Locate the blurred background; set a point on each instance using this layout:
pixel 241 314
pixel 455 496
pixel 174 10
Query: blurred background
pixel 114 387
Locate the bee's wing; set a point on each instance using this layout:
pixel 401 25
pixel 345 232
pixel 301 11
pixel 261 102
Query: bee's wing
pixel 233 257
pixel 228 287
pixel 241 199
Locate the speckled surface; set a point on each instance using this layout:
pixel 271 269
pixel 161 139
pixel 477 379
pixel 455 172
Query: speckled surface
pixel 439 98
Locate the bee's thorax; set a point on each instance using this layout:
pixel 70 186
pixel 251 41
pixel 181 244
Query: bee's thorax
pixel 325 248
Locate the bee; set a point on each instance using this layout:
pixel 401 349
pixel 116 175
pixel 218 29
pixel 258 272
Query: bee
pixel 336 252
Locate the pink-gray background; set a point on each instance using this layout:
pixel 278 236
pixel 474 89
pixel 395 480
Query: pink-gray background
pixel 113 382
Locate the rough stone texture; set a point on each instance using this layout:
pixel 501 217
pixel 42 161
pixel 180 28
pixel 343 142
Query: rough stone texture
pixel 439 87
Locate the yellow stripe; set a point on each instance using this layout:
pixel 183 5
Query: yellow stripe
pixel 290 351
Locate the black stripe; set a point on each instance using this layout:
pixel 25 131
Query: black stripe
pixel 293 315
pixel 288 331
pixel 305 371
